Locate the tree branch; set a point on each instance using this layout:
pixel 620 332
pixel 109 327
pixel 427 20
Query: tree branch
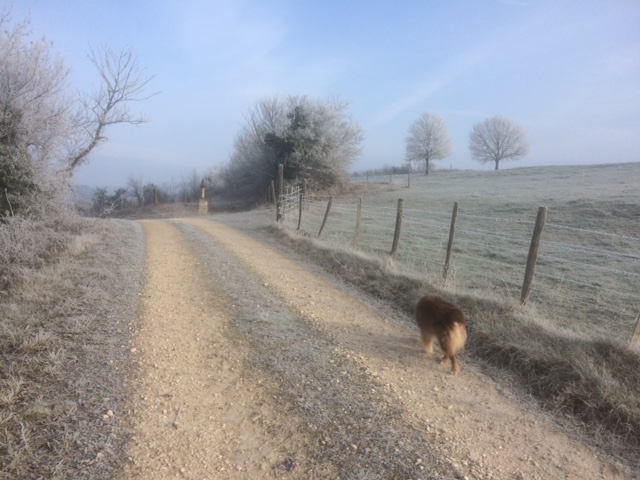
pixel 123 81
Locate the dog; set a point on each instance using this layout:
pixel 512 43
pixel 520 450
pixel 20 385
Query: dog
pixel 443 320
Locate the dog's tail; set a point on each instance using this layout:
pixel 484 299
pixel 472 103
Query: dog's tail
pixel 457 337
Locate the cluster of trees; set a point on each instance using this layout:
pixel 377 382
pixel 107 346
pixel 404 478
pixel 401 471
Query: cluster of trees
pixel 315 140
pixel 47 131
pixel 490 141
pixel 136 193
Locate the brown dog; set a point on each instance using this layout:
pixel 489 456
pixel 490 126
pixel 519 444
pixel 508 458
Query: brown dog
pixel 443 320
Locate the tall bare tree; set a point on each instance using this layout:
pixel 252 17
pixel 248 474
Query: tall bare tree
pixel 496 139
pixel 123 82
pixel 428 140
pixel 34 110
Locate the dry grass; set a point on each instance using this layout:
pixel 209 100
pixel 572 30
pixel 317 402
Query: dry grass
pixel 591 385
pixel 63 345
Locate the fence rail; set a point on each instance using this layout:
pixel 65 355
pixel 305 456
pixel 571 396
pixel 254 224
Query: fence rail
pixel 585 280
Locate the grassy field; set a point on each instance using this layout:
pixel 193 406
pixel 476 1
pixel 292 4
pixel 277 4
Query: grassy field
pixel 588 272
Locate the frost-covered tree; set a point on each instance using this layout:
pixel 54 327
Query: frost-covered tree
pixel 47 129
pixel 313 139
pixel 496 139
pixel 428 140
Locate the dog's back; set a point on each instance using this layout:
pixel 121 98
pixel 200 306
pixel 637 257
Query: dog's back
pixel 443 320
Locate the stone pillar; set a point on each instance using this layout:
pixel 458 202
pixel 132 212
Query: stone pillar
pixel 203 205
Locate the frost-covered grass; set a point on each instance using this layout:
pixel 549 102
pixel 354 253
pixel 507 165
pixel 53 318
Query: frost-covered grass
pixel 588 271
pixel 64 331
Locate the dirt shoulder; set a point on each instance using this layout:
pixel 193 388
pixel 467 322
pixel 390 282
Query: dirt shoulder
pixel 250 366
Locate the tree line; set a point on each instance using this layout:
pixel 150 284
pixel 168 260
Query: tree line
pixel 317 140
pixel 137 194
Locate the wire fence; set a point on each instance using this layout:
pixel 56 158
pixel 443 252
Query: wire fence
pixel 289 201
pixel 586 281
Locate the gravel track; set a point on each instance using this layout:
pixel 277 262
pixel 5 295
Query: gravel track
pixel 247 365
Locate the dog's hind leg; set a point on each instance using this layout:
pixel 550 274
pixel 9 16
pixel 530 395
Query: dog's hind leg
pixel 427 340
pixel 445 342
pixel 455 366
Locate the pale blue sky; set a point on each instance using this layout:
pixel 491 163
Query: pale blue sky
pixel 567 71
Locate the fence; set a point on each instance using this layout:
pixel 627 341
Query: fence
pixel 288 202
pixel 586 281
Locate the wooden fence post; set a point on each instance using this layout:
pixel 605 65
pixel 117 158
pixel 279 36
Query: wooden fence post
pixel 533 254
pixel 356 237
pixel 635 337
pixel 326 214
pixel 279 213
pixel 396 235
pixel 452 230
pixel 300 210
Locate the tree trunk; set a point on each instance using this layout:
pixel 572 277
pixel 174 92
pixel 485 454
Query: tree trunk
pixel 497 161
pixel 426 171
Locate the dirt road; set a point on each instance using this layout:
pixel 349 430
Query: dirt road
pixel 249 366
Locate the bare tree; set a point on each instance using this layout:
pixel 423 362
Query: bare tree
pixel 428 140
pixel 123 82
pixel 136 188
pixel 173 190
pixel 42 124
pixel 496 139
pixel 191 186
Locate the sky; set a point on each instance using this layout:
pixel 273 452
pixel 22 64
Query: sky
pixel 566 71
